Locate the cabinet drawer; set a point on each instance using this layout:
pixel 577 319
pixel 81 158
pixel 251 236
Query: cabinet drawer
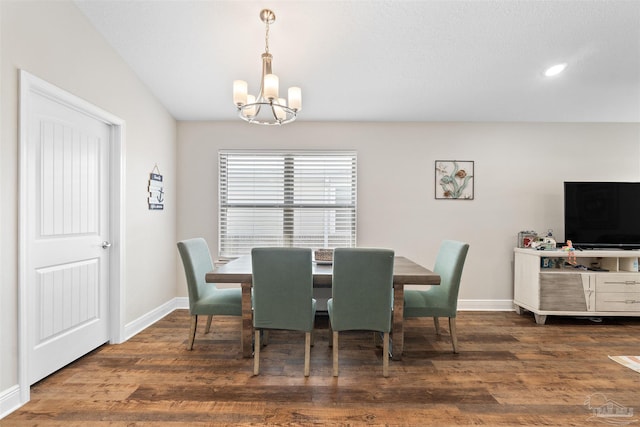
pixel 613 282
pixel 617 301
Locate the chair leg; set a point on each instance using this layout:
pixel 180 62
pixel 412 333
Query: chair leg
pixel 385 355
pixel 265 337
pixel 436 323
pixel 335 353
pixel 307 353
pixel 330 335
pixel 192 331
pixel 256 353
pixel 208 328
pixel 454 335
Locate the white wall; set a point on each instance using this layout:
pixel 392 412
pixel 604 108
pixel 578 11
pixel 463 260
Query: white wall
pixel 54 41
pixel 519 174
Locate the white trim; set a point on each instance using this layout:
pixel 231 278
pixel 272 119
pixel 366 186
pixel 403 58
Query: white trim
pixel 181 303
pixel 32 84
pixel 117 217
pixel 9 400
pixel 148 319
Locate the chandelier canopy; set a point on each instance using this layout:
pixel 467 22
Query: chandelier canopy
pixel 267 108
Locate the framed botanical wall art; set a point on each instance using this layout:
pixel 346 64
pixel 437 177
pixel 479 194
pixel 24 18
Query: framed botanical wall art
pixel 454 179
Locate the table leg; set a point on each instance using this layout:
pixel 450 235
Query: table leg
pixel 398 322
pixel 247 321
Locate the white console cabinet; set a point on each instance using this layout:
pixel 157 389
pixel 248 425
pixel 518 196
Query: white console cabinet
pixel 607 284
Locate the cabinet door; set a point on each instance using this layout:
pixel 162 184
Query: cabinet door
pixel 565 292
pixel 526 289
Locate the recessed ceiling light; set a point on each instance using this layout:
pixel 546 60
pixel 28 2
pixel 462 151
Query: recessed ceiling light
pixel 555 70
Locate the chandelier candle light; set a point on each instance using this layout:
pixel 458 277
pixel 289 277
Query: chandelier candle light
pixel 268 108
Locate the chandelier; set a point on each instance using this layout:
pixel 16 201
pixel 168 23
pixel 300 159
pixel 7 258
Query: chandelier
pixel 267 108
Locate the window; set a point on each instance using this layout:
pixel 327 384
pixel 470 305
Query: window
pixel 271 198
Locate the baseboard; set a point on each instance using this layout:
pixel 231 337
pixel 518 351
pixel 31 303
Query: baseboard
pixel 148 319
pixel 463 304
pixel 9 400
pixel 181 302
pixel 485 305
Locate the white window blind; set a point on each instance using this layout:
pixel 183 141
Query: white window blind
pixel 270 198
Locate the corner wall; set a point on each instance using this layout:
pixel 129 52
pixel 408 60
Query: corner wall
pixel 519 173
pixel 54 41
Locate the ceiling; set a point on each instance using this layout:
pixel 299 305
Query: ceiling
pixel 389 61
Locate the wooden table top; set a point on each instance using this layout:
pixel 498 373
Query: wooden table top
pixel 405 272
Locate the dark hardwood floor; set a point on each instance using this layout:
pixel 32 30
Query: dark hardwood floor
pixel 509 372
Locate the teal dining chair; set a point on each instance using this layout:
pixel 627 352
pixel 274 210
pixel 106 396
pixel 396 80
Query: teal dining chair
pixel 361 296
pixel 282 296
pixel 205 298
pixel 441 300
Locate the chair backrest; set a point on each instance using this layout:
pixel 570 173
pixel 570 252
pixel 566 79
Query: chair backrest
pixel 449 264
pixel 196 259
pixel 362 288
pixel 282 288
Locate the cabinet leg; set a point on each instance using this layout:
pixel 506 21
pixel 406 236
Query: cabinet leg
pixel 540 318
pixel 517 309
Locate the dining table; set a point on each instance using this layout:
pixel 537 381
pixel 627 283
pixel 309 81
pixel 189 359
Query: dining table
pixel 405 272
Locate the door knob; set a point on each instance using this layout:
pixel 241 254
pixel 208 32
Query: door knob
pixel 106 245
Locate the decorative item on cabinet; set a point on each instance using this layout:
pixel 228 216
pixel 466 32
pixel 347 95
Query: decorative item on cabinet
pixel 525 238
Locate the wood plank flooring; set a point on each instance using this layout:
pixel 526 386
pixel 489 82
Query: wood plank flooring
pixel 509 372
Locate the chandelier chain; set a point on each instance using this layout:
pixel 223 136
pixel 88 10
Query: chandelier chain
pixel 266 38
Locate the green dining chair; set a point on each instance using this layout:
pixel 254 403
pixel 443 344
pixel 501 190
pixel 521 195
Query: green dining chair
pixel 361 296
pixel 441 300
pixel 205 298
pixel 282 296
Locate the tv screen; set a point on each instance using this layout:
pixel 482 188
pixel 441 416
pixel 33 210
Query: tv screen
pixel 602 214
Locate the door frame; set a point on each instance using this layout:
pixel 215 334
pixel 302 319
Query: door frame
pixel 30 84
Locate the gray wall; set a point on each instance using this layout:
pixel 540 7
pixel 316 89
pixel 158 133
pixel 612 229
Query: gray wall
pixel 519 174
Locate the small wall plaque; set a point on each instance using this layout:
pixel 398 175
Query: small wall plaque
pixel 156 190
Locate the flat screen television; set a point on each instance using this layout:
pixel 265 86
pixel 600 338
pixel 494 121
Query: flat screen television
pixel 602 214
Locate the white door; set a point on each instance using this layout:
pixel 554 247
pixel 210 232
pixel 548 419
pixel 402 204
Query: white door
pixel 67 214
